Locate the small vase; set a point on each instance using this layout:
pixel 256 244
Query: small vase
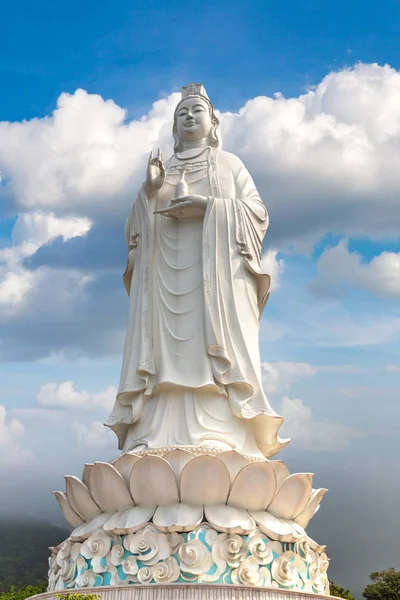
pixel 181 188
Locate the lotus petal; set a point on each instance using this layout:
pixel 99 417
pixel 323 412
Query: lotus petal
pixel 124 465
pixel 204 481
pixel 281 472
pixel 178 459
pixel 70 515
pixel 108 488
pixel 85 475
pixel 83 531
pixel 234 462
pixel 129 520
pixel 80 499
pixel 307 514
pixel 153 482
pixel 229 519
pixel 254 487
pixel 178 517
pixel 293 496
pixel 275 528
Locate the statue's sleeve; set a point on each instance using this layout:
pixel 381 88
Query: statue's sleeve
pixel 251 225
pixel 131 237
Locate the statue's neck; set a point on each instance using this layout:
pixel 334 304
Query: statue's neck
pixel 192 145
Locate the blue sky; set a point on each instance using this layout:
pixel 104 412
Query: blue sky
pixel 135 52
pixel 308 104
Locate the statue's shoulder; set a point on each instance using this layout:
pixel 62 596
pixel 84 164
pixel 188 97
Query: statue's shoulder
pixel 231 161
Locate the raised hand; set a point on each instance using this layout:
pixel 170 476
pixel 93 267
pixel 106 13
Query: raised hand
pixel 189 207
pixel 155 175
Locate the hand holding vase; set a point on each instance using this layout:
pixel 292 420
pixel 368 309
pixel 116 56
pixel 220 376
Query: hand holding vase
pixel 186 207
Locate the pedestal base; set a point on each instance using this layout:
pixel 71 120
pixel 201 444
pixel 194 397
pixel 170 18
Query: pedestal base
pixel 187 592
pixel 170 516
pixel 202 556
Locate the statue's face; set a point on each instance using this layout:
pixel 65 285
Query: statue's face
pixel 193 120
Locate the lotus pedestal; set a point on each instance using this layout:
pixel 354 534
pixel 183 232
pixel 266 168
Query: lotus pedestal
pixel 187 523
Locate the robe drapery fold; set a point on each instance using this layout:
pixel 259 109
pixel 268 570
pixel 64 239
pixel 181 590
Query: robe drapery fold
pixel 234 292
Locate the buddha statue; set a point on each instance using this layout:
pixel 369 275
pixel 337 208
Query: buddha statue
pixel 191 373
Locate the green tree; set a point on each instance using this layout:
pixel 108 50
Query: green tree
pixel 22 593
pixel 77 596
pixel 32 590
pixel 339 592
pixel 385 586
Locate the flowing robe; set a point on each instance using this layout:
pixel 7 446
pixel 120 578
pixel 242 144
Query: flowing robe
pixel 191 371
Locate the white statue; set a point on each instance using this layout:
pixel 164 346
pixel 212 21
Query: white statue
pixel 178 505
pixel 191 371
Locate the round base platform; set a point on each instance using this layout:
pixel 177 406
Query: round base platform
pixel 185 592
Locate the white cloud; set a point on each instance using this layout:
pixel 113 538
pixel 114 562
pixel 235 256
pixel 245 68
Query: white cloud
pixel 64 395
pixel 84 155
pixel 273 266
pixel 31 231
pixel 327 160
pixel 324 161
pixel 281 375
pixel 321 164
pixel 367 96
pixel 11 433
pixel 340 269
pixel 14 286
pixel 94 436
pixel 40 227
pixel 309 433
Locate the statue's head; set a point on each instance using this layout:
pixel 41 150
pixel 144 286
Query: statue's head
pixel 194 118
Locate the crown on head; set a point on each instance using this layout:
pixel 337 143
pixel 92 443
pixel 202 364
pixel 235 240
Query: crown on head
pixel 194 89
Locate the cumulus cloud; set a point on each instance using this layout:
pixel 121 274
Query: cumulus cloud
pixel 40 228
pixel 273 266
pixel 94 436
pixel 11 433
pixel 340 269
pixel 30 232
pixel 279 376
pixel 313 434
pixel 325 161
pixel 64 395
pixel 83 157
